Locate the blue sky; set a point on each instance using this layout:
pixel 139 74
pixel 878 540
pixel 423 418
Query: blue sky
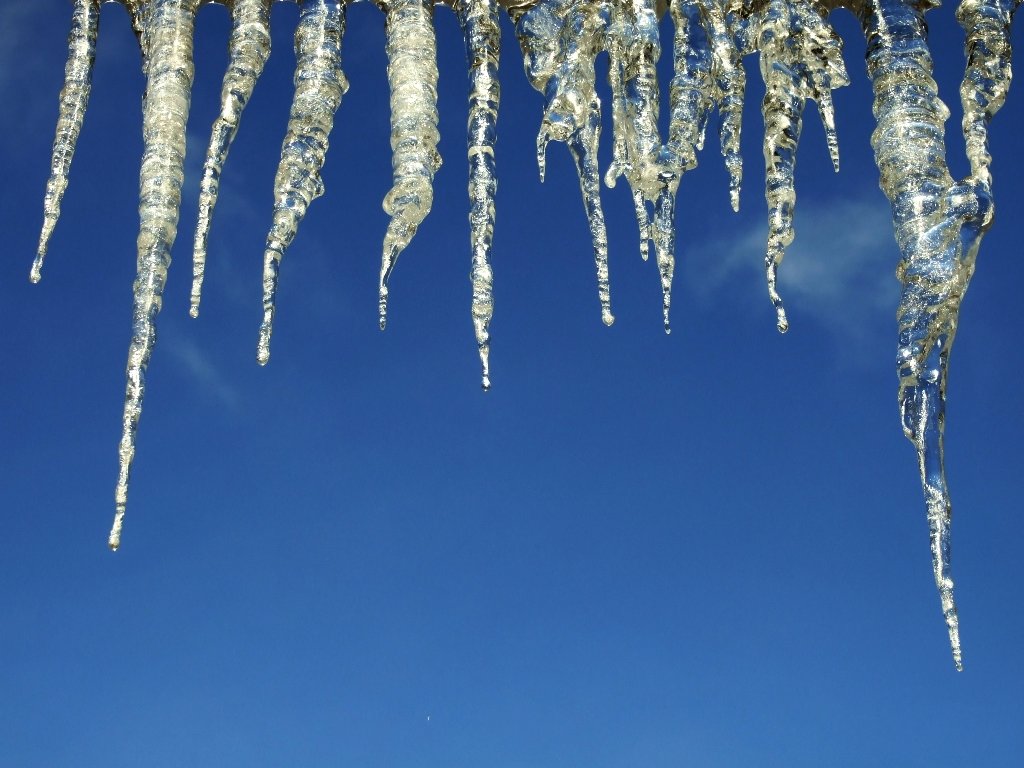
pixel 706 549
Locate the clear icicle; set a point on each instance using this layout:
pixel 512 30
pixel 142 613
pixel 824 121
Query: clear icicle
pixel 74 98
pixel 249 48
pixel 559 40
pixel 731 81
pixel 412 75
pixel 987 77
pixel 319 87
pixel 692 92
pixel 939 225
pixel 801 58
pixel 651 169
pixel 480 23
pixel 167 51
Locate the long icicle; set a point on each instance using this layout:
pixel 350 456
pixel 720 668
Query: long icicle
pixel 559 40
pixel 482 31
pixel 74 98
pixel 168 27
pixel 939 225
pixel 249 49
pixel 412 75
pixel 319 87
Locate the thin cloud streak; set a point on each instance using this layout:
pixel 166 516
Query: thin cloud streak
pixel 840 270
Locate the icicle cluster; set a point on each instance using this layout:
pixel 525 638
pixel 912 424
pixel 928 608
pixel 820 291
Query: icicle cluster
pixel 939 222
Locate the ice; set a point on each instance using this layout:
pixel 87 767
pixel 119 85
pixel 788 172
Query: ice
pixel 721 22
pixel 939 224
pixel 651 169
pixel 559 40
pixel 167 60
pixel 249 48
pixel 412 75
pixel 987 78
pixel 480 24
pixel 74 98
pixel 801 58
pixel 319 86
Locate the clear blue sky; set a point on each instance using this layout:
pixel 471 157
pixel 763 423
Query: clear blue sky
pixel 707 549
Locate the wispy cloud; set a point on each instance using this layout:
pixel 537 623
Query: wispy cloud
pixel 839 270
pixel 195 364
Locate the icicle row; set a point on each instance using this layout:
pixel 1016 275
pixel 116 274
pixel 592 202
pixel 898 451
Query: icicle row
pixel 249 48
pixel 480 24
pixel 559 40
pixel 939 225
pixel 412 75
pixel 74 98
pixel 801 58
pixel 319 87
pixel 167 49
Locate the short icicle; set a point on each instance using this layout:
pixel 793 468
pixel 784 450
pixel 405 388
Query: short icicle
pixel 167 52
pixel 319 87
pixel 480 23
pixel 938 225
pixel 248 48
pixel 74 98
pixel 412 75
pixel 801 58
pixel 559 40
pixel 987 76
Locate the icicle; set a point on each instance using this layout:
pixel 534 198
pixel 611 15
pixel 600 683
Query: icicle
pixel 480 24
pixel 167 51
pixel 939 225
pixel 801 58
pixel 652 170
pixel 412 75
pixel 560 39
pixel 987 78
pixel 319 86
pixel 692 93
pixel 74 98
pixel 249 48
pixel 731 80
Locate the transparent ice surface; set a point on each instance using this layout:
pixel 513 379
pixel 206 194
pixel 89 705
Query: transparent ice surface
pixel 319 87
pixel 74 98
pixel 167 61
pixel 480 24
pixel 412 75
pixel 248 49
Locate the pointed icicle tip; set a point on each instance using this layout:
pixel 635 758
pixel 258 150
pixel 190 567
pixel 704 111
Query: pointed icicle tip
pixel 74 99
